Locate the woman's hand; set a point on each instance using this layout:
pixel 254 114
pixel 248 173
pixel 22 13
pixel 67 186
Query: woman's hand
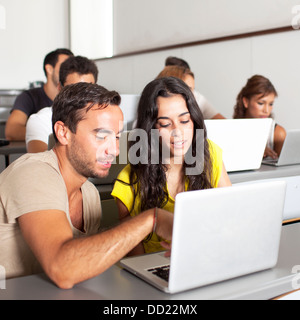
pixel 270 153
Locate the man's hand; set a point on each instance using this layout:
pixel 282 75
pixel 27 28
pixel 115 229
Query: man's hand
pixel 168 247
pixel 164 224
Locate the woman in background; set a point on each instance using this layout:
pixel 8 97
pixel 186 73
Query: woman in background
pixel 188 77
pixel 168 107
pixel 256 100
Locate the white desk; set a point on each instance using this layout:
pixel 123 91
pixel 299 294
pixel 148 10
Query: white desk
pixel 118 284
pixel 14 147
pixel 290 174
pixel 265 172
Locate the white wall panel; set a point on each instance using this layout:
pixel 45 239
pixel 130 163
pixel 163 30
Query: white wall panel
pixel 91 28
pixel 277 57
pixel 32 29
pixel 221 70
pixel 143 24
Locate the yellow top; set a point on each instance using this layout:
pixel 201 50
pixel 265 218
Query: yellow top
pixel 124 192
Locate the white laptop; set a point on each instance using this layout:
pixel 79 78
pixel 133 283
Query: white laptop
pixel 218 234
pixel 243 141
pixel 290 153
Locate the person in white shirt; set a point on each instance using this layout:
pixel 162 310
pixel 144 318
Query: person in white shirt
pixel 179 68
pixel 39 125
pixel 32 100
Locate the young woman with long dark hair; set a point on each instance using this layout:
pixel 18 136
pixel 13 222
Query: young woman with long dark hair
pixel 168 110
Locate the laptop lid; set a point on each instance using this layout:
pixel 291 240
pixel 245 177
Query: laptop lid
pixel 290 153
pixel 218 234
pixel 243 141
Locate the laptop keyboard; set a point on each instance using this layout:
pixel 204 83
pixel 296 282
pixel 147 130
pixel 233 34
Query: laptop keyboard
pixel 162 272
pixel 270 160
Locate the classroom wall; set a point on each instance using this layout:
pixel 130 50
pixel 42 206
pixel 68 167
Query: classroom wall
pixel 29 29
pixel 221 69
pixel 32 28
pixel 143 24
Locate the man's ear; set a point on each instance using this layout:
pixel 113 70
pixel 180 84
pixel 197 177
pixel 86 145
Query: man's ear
pixel 49 70
pixel 61 132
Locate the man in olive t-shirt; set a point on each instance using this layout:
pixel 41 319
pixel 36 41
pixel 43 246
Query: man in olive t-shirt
pixel 46 201
pixel 30 184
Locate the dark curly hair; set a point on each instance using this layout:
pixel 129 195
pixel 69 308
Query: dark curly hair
pixel 74 100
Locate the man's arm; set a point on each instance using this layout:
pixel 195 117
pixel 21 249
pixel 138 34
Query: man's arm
pixel 34 146
pixel 16 126
pixel 68 261
pixel 124 216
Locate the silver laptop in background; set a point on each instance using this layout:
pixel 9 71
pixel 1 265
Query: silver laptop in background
pixel 218 234
pixel 243 141
pixel 290 153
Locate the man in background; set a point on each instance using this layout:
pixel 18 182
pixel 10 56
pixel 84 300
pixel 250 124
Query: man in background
pixel 208 111
pixel 39 125
pixel 32 100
